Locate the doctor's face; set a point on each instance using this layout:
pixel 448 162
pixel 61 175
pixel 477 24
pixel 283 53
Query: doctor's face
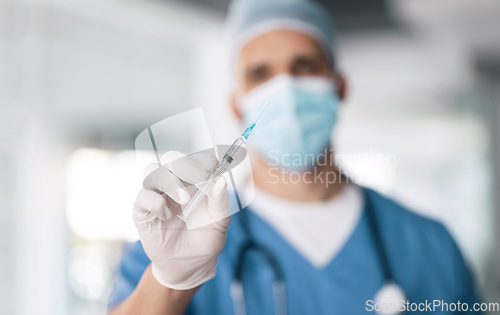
pixel 279 52
pixel 308 105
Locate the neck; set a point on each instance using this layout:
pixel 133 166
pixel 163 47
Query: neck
pixel 319 183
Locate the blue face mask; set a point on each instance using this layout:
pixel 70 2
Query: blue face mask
pixel 297 125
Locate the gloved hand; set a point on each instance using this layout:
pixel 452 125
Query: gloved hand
pixel 183 256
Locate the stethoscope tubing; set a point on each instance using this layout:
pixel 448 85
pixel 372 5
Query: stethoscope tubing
pixel 279 287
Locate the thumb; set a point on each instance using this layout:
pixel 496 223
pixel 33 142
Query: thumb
pixel 216 211
pixel 218 200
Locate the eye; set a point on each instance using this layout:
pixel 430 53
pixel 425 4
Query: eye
pixel 310 65
pixel 304 67
pixel 257 75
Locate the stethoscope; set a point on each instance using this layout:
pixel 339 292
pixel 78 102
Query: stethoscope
pixel 390 292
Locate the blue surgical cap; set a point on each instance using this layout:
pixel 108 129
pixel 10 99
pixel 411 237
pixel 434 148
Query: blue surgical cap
pixel 250 18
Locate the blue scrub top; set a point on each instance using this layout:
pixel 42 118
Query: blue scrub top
pixel 423 258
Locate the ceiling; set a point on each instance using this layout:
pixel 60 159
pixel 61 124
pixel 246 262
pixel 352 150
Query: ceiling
pixel 348 14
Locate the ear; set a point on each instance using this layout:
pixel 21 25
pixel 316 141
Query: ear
pixel 341 82
pixel 235 109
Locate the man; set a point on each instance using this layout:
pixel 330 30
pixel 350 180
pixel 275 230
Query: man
pixel 337 247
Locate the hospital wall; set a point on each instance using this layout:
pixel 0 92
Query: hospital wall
pixel 80 80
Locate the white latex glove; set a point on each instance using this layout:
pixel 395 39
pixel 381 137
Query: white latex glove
pixel 182 257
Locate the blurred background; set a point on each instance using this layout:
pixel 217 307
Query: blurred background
pixel 79 80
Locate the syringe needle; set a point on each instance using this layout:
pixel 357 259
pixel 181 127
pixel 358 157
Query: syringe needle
pixel 220 169
pixel 262 112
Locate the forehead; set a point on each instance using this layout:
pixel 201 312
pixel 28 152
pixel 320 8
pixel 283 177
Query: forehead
pixel 277 46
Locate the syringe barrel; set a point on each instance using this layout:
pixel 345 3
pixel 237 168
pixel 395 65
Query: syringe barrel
pixel 220 169
pixel 228 158
pixel 196 199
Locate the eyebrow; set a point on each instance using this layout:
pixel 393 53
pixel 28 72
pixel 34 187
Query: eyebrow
pixel 299 58
pixel 312 57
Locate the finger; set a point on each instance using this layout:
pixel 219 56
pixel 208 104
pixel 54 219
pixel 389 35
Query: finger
pixel 218 208
pixel 165 181
pixel 207 161
pixel 150 204
pixel 150 168
pixel 187 168
pixel 218 188
pixel 218 198
pixel 171 156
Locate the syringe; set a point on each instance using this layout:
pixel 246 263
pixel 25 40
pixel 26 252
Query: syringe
pixel 220 169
